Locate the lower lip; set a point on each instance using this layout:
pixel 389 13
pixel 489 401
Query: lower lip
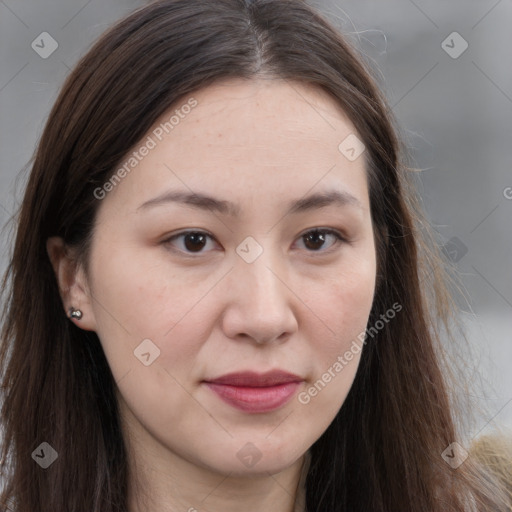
pixel 255 400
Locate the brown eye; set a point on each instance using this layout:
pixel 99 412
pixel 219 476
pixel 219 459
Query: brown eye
pixel 315 240
pixel 190 242
pixel 194 241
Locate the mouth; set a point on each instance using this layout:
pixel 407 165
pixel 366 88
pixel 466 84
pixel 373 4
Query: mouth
pixel 255 393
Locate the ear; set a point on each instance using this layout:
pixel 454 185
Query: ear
pixel 72 282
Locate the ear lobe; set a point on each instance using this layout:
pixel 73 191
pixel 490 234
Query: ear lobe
pixel 71 281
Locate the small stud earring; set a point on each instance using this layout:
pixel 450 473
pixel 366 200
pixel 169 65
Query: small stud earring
pixel 75 313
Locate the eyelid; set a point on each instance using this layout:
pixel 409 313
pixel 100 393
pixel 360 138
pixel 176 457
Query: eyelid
pixel 329 231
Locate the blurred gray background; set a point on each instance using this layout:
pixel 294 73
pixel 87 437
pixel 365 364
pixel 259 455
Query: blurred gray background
pixel 445 67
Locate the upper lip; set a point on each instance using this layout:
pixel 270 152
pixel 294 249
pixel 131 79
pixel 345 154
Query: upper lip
pixel 254 379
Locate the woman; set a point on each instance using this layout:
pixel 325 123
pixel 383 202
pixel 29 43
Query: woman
pixel 215 295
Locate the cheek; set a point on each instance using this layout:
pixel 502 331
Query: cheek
pixel 135 290
pixel 139 298
pixel 131 301
pixel 344 306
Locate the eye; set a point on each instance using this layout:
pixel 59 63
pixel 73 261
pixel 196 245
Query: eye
pixel 316 239
pixel 190 241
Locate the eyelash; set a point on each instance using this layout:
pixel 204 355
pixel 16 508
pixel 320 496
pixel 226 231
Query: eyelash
pixel 326 231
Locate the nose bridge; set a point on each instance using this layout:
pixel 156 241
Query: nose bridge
pixel 262 304
pixel 262 286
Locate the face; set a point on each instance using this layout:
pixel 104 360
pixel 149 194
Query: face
pixel 239 242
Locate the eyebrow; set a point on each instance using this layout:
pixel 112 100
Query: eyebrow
pixel 204 202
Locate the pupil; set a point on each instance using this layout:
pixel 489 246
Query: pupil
pixel 317 238
pixel 194 241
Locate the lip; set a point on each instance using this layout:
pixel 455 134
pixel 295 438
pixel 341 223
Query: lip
pixel 255 392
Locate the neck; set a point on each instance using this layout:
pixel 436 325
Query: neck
pixel 177 485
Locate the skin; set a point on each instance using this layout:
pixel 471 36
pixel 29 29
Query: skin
pixel 260 144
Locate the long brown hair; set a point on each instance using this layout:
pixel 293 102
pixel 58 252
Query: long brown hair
pixel 383 450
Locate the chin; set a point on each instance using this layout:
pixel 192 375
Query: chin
pixel 260 457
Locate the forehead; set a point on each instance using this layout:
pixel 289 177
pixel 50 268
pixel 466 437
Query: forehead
pixel 267 111
pixel 247 136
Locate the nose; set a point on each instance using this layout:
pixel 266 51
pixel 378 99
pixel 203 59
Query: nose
pixel 260 305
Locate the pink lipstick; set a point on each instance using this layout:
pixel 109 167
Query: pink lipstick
pixel 255 392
